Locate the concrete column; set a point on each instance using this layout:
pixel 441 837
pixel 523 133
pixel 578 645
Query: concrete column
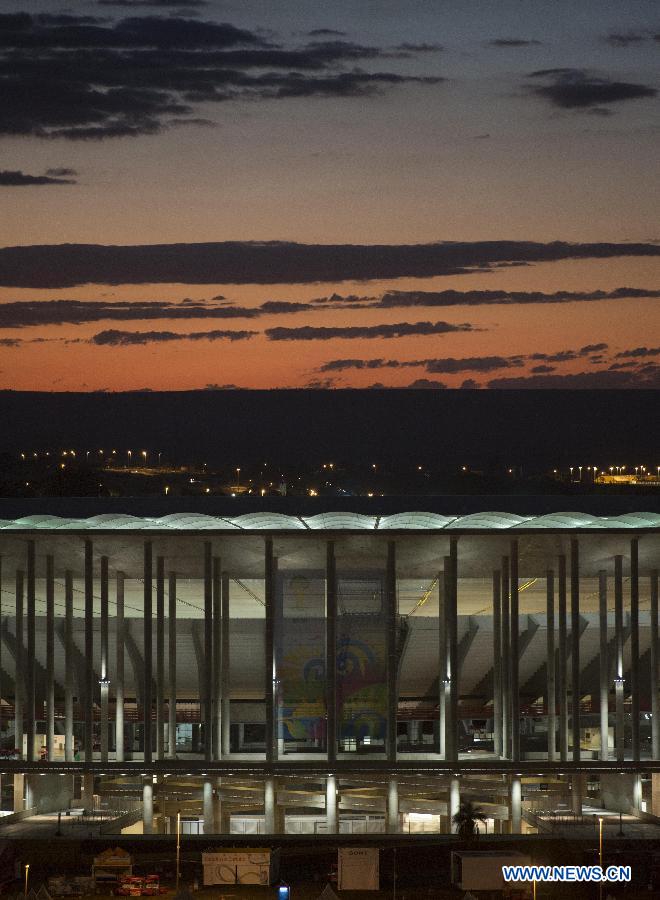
pixel 148 646
pixel 208 652
pixel 19 679
pixel 270 685
pixel 2 685
pixel 88 693
pixel 655 705
pixel 453 646
pixel 217 807
pixel 50 657
pixel 68 666
pixel 331 652
pixel 619 683
pixel 506 660
pixel 577 787
pixel 516 805
pixel 31 658
pixel 575 646
pixel 515 654
pixel 563 659
pixel 19 792
pixel 171 662
pixel 207 805
pixel 88 792
pixel 634 645
pixel 119 674
pixel 331 804
pixel 497 662
pixel 225 673
pixel 160 657
pixel 105 669
pixel 270 801
pixel 604 664
pixel 393 806
pixel 550 664
pixel 217 658
pixel 148 806
pixel 443 684
pixel 637 792
pixel 454 802
pixel 392 679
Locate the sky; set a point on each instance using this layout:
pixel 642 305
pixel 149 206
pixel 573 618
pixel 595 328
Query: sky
pixel 201 194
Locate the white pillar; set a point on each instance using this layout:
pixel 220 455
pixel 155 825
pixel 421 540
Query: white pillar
pixel 331 804
pixel 637 793
pixel 171 662
pixel 119 674
pixel 207 804
pixel 88 792
pixel 68 666
pixel 393 806
pixel 269 806
pixel 516 804
pixel 576 794
pixel 454 802
pixel 148 807
pixel 655 705
pixel 604 667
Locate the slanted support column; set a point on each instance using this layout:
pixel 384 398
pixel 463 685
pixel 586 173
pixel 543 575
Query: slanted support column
pixel 515 661
pixel 655 704
pixel 506 660
pixel 392 681
pixel 451 566
pixel 88 693
pixel 550 664
pixel 563 660
pixel 619 682
pixel 119 687
pixel 208 651
pixel 171 662
pixel 392 806
pixel 217 659
pixel 270 800
pixel 454 802
pixel 50 657
pixel 31 651
pixel 105 673
pixel 634 645
pixel 270 687
pixel 331 804
pixel 604 665
pixel 160 657
pixel 148 805
pixel 497 662
pixel 575 646
pixel 516 804
pixel 226 708
pixel 331 652
pixel 19 682
pixel 443 681
pixel 148 652
pixel 68 666
pixel 207 806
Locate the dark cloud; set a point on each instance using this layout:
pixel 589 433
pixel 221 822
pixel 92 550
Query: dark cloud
pixel 470 385
pixel 427 384
pixel 399 329
pixel 24 313
pixel 513 42
pixel 605 379
pixel 543 370
pixel 472 364
pixel 114 338
pixel 82 78
pixel 10 342
pixel 61 173
pixel 325 32
pixel 579 89
pixel 640 351
pixel 279 262
pixel 624 39
pixel 393 299
pixel 135 4
pixel 419 48
pixel 15 178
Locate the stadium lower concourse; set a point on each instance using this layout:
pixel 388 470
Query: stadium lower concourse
pixel 340 672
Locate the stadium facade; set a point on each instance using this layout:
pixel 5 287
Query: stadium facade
pixel 334 672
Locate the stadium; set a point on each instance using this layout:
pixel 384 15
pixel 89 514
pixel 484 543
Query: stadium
pixel 329 671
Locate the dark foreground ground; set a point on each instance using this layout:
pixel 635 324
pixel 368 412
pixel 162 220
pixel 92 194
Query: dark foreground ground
pixel 422 864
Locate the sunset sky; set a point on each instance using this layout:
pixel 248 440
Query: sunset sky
pixel 414 161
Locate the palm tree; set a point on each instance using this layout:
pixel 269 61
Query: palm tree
pixel 467 819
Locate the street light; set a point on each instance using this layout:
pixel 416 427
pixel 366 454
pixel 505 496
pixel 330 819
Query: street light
pixel 178 848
